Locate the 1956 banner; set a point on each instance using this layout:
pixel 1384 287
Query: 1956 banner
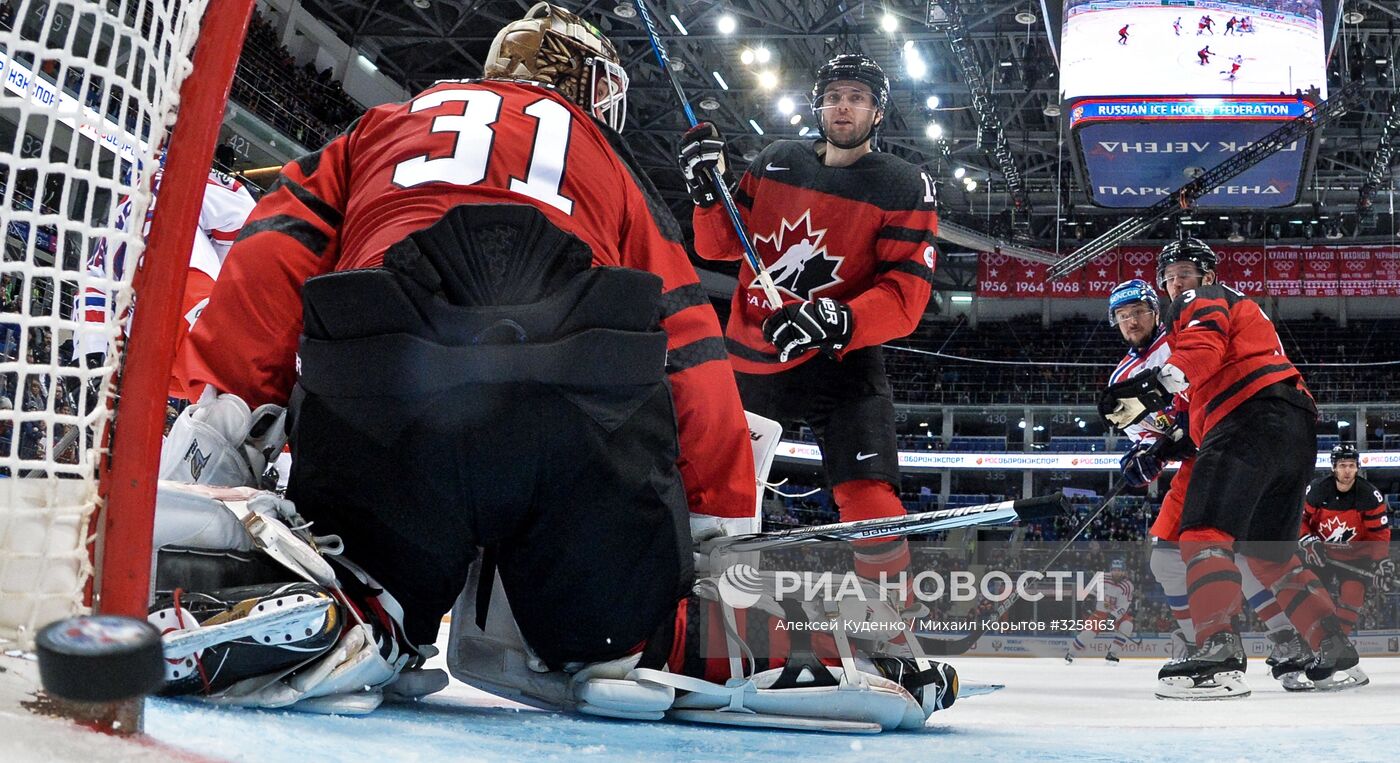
pixel 1282 271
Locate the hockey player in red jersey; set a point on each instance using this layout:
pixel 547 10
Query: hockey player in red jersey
pixel 1203 55
pixel 488 335
pixel 1206 24
pixel 1123 35
pixel 1345 520
pixel 847 235
pixel 1161 438
pixel 225 207
pixel 1243 392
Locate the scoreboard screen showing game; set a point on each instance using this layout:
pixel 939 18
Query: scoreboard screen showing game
pixel 1192 47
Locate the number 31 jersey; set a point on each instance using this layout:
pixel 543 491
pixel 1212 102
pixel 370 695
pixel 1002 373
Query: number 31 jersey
pixel 399 169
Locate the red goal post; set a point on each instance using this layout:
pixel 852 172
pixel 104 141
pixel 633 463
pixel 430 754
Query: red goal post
pixel 103 83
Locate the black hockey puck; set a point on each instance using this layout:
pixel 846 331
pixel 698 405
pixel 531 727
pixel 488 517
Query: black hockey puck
pixel 100 658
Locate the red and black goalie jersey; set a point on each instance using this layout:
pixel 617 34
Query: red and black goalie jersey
pixel 1228 349
pixel 1354 525
pixel 862 235
pixel 397 170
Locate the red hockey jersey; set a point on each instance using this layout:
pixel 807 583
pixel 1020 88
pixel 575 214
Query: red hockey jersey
pixel 397 170
pixel 1354 525
pixel 862 235
pixel 1228 350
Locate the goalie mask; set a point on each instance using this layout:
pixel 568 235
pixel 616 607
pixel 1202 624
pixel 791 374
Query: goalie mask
pixel 555 47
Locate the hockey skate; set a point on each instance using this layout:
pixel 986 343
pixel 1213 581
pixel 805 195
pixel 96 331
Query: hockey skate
pixel 1288 659
pixel 1069 658
pixel 249 635
pixel 1215 670
pixel 1111 658
pixel 1334 667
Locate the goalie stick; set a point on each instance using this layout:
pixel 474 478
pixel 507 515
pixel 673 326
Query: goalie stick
pixel 764 279
pixel 1002 512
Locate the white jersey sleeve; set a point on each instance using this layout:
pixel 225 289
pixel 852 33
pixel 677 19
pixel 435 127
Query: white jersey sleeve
pixel 1155 356
pixel 225 207
pixel 1117 598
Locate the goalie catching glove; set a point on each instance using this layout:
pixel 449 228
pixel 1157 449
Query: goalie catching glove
pixel 702 156
pixel 1126 403
pixel 824 324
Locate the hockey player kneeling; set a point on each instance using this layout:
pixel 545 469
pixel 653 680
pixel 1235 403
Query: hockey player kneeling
pixel 505 386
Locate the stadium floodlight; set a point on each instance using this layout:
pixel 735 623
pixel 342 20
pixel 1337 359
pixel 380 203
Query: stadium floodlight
pixel 768 79
pixel 723 85
pixel 786 106
pixel 795 119
pixel 726 24
pixel 762 55
pixel 960 172
pixel 889 23
pixel 622 11
pixel 971 185
pixel 746 57
pixel 932 102
pixel 755 126
pixel 679 26
pixel 934 131
pixel 914 64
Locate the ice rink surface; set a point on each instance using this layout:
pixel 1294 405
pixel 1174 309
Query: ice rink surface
pixel 1089 711
pixel 1277 58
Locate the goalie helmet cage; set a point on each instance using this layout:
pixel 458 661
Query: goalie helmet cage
pixel 89 95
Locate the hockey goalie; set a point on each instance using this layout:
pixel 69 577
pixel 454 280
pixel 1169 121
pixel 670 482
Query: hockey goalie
pixel 504 388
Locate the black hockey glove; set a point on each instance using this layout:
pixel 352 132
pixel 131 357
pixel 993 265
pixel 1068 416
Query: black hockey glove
pixel 1129 401
pixel 1176 443
pixel 1141 464
pixel 1310 548
pixel 801 326
pixel 1385 575
pixel 702 150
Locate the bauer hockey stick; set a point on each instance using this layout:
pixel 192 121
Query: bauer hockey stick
pixel 1001 512
pixel 764 280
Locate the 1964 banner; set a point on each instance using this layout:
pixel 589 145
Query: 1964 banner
pixel 1285 271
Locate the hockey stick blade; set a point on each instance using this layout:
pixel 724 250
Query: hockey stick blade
pixel 181 643
pixel 1002 512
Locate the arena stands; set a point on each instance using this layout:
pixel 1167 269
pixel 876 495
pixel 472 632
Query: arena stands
pixel 1072 357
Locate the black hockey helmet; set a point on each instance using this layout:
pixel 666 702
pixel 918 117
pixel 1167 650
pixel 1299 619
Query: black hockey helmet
pixel 1185 250
pixel 859 68
pixel 1345 452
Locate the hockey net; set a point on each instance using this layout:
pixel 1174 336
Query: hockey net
pixel 89 95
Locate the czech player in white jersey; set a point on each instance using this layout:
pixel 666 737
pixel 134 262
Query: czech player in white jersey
pixel 1113 614
pixel 226 205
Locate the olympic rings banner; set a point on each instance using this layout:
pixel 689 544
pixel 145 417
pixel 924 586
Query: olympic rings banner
pixel 1285 271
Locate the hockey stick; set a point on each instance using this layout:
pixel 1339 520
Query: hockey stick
pixel 764 280
pixel 1385 584
pixel 959 646
pixel 1002 512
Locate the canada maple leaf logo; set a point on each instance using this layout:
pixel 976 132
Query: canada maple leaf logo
pixel 1336 530
pixel 800 265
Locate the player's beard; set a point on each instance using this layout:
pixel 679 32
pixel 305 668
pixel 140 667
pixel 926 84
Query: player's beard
pixel 853 136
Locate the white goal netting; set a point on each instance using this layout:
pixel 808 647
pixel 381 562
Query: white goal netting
pixel 88 93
